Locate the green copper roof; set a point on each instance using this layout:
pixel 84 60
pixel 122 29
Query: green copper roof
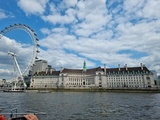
pixel 84 66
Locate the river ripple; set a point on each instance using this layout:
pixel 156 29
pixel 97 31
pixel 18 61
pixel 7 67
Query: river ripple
pixel 86 105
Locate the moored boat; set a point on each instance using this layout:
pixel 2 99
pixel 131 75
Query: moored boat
pixel 43 91
pixel 14 87
pixel 13 90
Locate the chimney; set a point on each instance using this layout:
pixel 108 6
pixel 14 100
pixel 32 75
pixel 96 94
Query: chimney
pixel 46 71
pixel 51 71
pixel 37 71
pixel 61 69
pixel 119 67
pixel 126 66
pixel 144 66
pixel 105 69
pixel 141 66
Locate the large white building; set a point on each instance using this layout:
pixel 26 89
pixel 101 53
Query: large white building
pixel 158 81
pixel 39 66
pixel 126 77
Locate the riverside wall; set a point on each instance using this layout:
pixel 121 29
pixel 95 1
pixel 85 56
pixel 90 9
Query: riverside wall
pixel 147 90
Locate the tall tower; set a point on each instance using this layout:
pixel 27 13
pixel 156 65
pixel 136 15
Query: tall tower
pixel 84 66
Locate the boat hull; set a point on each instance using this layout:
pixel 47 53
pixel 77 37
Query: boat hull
pixel 13 90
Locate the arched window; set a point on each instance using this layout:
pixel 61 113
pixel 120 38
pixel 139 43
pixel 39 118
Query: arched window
pixel 83 82
pixel 149 82
pixel 99 74
pixel 148 78
pixel 62 77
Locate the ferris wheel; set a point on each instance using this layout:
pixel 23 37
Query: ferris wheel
pixel 33 46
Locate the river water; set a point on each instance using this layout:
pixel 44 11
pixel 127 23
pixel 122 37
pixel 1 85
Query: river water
pixel 86 105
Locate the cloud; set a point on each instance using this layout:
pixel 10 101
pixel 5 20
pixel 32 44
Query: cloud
pixel 45 31
pixel 92 16
pixel 32 6
pixel 5 14
pixel 90 7
pixel 5 74
pixel 151 9
pixel 2 15
pixel 57 17
pixel 59 58
pixel 99 32
pixel 68 3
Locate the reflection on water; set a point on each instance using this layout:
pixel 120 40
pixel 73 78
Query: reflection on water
pixel 86 105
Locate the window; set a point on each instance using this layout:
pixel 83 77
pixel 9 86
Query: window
pixel 148 78
pixel 99 76
pixel 62 77
pixel 84 83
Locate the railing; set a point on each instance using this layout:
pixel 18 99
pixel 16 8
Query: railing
pixel 15 114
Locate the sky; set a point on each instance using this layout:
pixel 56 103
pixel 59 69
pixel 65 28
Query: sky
pixel 99 32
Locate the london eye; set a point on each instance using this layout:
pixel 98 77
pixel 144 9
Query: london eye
pixel 23 48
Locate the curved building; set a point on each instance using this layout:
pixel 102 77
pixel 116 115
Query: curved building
pixel 107 78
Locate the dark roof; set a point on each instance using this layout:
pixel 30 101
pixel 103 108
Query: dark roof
pixel 124 70
pixel 40 60
pixel 80 71
pixel 42 73
pixel 94 70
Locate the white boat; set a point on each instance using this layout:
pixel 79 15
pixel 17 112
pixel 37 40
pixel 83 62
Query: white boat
pixel 13 90
pixel 15 86
pixel 43 91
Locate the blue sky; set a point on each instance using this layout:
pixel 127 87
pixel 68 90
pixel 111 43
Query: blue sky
pixel 100 32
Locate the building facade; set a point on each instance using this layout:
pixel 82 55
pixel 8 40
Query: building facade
pixel 107 78
pixel 39 66
pixel 158 81
pixel 2 82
